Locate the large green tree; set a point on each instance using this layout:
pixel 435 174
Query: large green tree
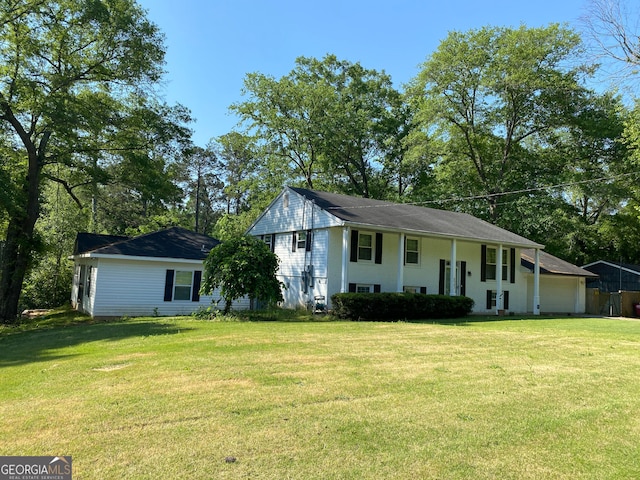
pixel 487 99
pixel 66 70
pixel 333 122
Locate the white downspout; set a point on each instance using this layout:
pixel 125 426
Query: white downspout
pixel 344 287
pixel 536 283
pixel 400 279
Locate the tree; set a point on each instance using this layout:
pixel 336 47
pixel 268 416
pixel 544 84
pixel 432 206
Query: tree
pixel 65 68
pixel 333 122
pixel 239 161
pixel 203 187
pixel 614 31
pixel 489 98
pixel 242 266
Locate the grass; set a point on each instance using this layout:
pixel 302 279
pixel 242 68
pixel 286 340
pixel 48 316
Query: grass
pixel 182 398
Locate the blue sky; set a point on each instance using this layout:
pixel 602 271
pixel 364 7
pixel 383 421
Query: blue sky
pixel 213 44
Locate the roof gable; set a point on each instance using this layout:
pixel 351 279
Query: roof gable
pixel 407 217
pixel 551 265
pixel 174 242
pixel 603 265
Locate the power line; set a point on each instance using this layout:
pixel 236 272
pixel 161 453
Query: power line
pixel 491 195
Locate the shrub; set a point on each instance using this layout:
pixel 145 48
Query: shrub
pixel 399 306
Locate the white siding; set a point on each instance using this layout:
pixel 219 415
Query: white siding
pixel 300 214
pixel 293 265
pixel 558 294
pixel 123 287
pixel 427 272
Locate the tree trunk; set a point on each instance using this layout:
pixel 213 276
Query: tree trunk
pixel 20 239
pixel 18 249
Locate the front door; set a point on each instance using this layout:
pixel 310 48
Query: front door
pixel 460 277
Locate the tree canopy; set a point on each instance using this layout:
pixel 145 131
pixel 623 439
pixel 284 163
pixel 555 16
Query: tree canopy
pixel 242 266
pixel 72 75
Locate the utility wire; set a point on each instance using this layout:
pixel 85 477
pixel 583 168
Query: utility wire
pixel 490 195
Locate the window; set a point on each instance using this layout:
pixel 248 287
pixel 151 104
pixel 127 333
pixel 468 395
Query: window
pixel 411 253
pixel 364 288
pixel 178 285
pixel 301 240
pixel 492 299
pixel 365 246
pixel 407 289
pixel 268 239
pixel 491 263
pixel 182 285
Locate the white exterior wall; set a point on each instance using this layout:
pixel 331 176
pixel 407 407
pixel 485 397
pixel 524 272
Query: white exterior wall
pixel 559 294
pixel 427 272
pixel 294 264
pixel 290 213
pixel 283 217
pixel 123 287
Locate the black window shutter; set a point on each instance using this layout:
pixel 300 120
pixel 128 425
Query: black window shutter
pixel 443 266
pixel 463 278
pixel 293 241
pixel 506 300
pixel 307 245
pixel 489 299
pixel 197 280
pixel 352 288
pixel 483 264
pixel 404 257
pixel 512 273
pixel 168 286
pixel 273 242
pixel 354 245
pixel 423 290
pixel 376 288
pixel 378 248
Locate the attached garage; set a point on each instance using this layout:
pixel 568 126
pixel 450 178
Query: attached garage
pixel 562 284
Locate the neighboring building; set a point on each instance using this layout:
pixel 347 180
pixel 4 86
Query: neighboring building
pixel 614 276
pixel 154 274
pixel 562 284
pixel 329 243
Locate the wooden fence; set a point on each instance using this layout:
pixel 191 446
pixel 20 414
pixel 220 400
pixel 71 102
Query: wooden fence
pixel 615 304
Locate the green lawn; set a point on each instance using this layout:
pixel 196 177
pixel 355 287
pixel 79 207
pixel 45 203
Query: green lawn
pixel 173 398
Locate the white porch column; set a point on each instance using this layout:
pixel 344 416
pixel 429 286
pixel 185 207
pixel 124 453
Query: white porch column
pixel 499 295
pixel 452 270
pixel 400 280
pixel 344 287
pixel 536 283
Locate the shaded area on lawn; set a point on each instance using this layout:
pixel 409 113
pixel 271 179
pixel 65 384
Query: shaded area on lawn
pixel 46 344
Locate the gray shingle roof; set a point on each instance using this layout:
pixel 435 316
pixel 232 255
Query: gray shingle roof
pixel 85 242
pixel 412 218
pixel 174 242
pixel 551 265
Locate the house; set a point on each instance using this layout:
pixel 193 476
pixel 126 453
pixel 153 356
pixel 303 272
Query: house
pixel 562 284
pixel 329 243
pixel 154 274
pixel 614 276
